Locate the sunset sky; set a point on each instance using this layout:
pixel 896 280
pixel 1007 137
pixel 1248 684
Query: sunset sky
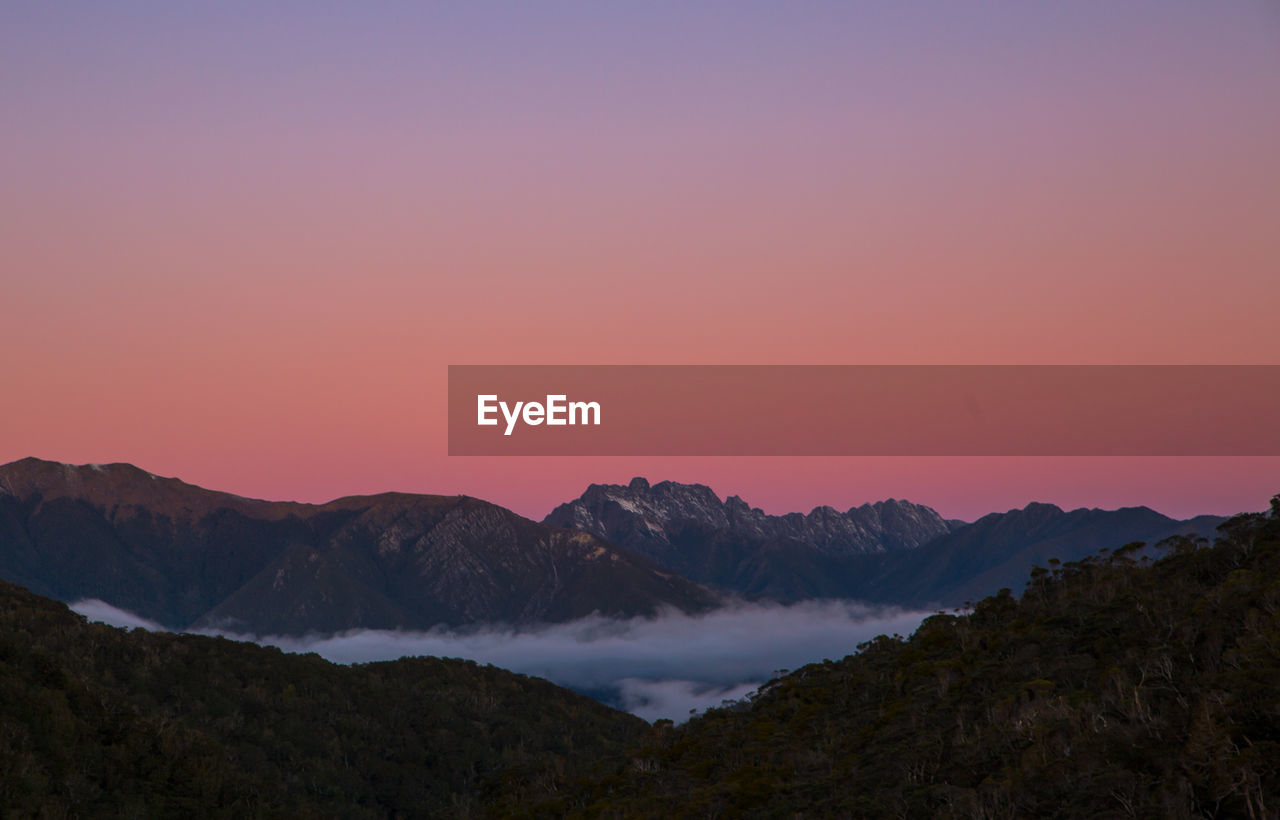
pixel 242 242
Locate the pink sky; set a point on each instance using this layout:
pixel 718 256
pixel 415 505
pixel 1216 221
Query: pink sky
pixel 242 246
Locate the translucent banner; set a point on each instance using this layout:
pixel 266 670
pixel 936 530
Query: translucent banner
pixel 867 410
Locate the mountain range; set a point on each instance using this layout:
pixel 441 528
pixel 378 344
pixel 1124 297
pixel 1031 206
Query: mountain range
pixel 890 552
pixel 191 558
pixel 1109 688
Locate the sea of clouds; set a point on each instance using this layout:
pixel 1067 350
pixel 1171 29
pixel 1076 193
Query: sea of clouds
pixel 661 667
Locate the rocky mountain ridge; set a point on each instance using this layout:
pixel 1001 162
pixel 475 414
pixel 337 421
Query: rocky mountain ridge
pixel 688 529
pixel 891 551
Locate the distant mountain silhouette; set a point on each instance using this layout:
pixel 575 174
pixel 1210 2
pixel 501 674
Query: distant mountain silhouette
pixel 188 557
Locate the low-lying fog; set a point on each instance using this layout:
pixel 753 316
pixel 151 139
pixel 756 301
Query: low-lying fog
pixel 662 667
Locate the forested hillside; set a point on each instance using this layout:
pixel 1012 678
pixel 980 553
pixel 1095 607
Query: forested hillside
pixel 99 722
pixel 1108 689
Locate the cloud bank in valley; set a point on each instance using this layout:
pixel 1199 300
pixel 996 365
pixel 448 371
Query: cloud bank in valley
pixel 659 667
pixel 105 613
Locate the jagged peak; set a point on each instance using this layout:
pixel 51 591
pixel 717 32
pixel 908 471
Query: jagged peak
pixel 653 492
pixel 890 503
pixel 642 486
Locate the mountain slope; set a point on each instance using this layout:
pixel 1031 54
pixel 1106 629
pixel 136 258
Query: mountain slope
pixel 185 556
pixel 689 530
pixel 99 722
pixel 1109 689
